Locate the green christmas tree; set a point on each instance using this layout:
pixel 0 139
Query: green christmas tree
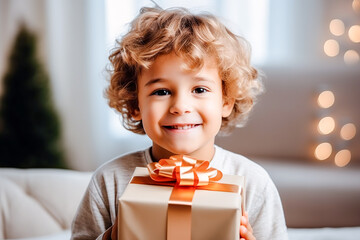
pixel 29 125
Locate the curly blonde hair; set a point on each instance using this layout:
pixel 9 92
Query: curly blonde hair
pixel 194 37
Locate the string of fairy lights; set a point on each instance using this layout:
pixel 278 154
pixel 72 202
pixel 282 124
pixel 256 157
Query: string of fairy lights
pixel 335 134
pixel 345 38
pixel 326 127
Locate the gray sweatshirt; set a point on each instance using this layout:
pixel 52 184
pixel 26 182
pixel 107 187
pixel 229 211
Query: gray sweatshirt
pixel 98 208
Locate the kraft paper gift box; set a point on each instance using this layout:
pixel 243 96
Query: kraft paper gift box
pixel 143 210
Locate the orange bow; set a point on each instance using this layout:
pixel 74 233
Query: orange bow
pixel 186 171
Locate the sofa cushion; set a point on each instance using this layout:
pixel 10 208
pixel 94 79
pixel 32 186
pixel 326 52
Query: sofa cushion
pixel 36 202
pixel 316 196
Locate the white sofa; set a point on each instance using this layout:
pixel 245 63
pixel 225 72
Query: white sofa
pixel 319 203
pixel 39 202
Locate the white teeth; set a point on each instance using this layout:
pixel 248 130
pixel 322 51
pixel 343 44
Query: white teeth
pixel 183 127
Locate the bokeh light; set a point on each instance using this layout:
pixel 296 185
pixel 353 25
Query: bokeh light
pixel 326 125
pixel 351 57
pixel 348 131
pixel 342 158
pixel 356 5
pixel 323 151
pixel 337 27
pixel 354 33
pixel 326 99
pixel 331 48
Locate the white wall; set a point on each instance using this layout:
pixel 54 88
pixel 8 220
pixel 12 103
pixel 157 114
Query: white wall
pixel 284 122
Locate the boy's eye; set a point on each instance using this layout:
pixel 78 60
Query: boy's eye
pixel 161 92
pixel 200 90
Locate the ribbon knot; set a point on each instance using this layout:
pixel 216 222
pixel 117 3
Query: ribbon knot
pixel 183 170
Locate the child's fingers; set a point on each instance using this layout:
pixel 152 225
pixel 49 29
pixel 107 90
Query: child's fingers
pixel 243 221
pixel 246 234
pixel 246 231
pixel 246 223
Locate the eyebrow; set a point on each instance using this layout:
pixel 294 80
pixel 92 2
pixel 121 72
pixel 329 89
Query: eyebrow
pixel 198 79
pixel 153 81
pixel 201 79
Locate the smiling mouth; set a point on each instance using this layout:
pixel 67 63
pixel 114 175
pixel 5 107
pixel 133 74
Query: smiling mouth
pixel 182 127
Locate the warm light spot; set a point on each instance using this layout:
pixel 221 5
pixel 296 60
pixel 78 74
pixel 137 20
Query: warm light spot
pixel 323 151
pixel 342 158
pixel 348 131
pixel 326 99
pixel 326 125
pixel 337 27
pixel 354 33
pixel 331 48
pixel 356 5
pixel 351 57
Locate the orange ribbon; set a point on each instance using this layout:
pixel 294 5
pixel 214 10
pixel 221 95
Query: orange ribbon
pixel 186 175
pixel 184 170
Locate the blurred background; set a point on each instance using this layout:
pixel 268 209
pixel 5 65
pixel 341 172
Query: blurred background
pixel 304 129
pixel 303 48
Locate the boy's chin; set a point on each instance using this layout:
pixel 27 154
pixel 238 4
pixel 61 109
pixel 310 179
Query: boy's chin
pixel 174 150
pixel 197 153
pixel 180 151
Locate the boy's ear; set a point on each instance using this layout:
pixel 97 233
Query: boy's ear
pixel 228 105
pixel 136 115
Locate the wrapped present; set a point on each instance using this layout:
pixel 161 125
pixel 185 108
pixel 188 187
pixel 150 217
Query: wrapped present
pixel 181 198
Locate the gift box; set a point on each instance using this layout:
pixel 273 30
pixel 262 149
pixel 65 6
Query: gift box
pixel 143 211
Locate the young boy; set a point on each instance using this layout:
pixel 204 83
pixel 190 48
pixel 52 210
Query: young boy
pixel 180 78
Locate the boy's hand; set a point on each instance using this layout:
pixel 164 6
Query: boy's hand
pixel 246 231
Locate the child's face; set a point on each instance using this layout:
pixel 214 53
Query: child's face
pixel 181 110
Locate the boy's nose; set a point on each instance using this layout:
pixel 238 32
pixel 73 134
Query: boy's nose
pixel 180 105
